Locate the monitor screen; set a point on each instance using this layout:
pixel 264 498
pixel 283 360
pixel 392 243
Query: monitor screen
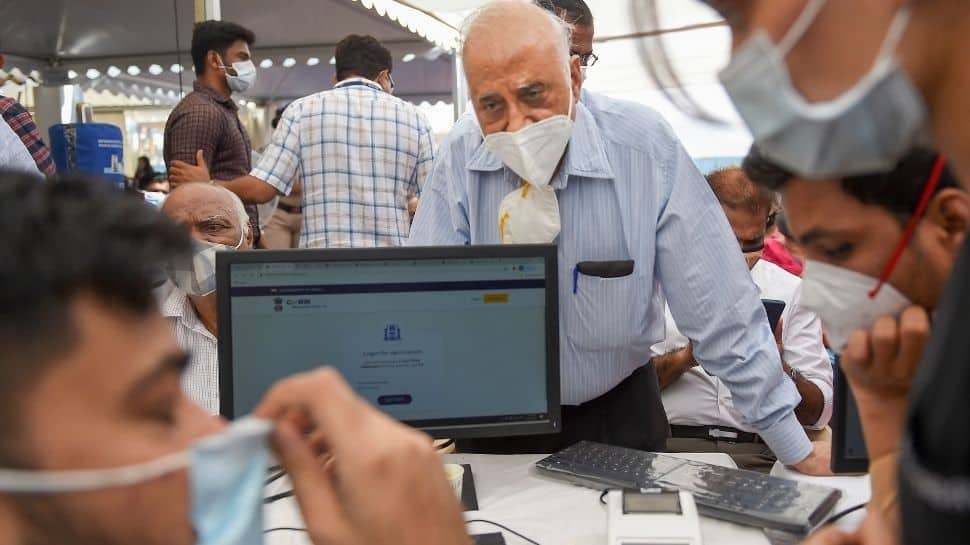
pixel 459 341
pixel 849 454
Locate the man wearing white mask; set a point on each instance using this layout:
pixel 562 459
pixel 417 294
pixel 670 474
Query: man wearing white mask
pixel 835 87
pixel 216 221
pixel 206 122
pixel 609 182
pixel 843 227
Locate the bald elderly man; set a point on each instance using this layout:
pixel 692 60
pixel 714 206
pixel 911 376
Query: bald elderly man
pixel 217 221
pixel 633 219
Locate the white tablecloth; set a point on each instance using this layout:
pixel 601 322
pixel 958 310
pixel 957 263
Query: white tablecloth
pixel 510 492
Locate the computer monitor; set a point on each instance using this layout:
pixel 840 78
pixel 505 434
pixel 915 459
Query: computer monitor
pixel 457 341
pixel 849 454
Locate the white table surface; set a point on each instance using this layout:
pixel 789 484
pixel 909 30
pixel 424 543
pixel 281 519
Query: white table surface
pixel 551 512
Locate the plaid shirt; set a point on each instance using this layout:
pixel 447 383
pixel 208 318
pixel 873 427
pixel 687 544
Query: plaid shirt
pixel 201 379
pixel 360 153
pixel 208 121
pixel 20 121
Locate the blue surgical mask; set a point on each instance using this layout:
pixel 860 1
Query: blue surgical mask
pixel 867 129
pixel 226 475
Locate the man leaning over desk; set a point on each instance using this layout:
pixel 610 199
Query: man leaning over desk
pixel 631 214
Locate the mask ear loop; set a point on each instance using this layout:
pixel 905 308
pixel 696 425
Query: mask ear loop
pixel 924 201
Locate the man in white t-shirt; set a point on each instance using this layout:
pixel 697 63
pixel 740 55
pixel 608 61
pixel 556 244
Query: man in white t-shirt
pixel 699 407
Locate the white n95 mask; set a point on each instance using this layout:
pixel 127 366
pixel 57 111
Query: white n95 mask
pixel 867 129
pixel 533 152
pixel 227 473
pixel 841 299
pixel 529 215
pixel 198 276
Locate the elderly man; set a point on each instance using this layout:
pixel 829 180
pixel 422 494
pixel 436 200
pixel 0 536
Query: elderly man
pixel 217 221
pixel 101 446
pixel 702 416
pixel 611 184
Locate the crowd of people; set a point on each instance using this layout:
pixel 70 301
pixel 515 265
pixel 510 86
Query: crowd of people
pixel 848 209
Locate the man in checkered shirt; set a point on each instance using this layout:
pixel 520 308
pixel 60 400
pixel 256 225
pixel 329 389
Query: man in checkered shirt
pixel 22 124
pixel 360 152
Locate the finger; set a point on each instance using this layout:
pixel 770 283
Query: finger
pixel 885 339
pixel 200 158
pixel 830 536
pixel 856 358
pixel 313 488
pixel 778 330
pixel 326 399
pixel 914 330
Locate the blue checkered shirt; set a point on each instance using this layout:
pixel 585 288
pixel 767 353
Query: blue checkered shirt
pixel 359 153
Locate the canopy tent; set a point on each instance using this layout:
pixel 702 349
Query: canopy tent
pixel 142 48
pixel 697 44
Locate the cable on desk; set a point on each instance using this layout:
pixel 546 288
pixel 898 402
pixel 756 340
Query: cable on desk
pixel 506 528
pixel 284 528
pixel 841 514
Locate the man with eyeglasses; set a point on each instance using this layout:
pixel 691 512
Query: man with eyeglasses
pixel 577 14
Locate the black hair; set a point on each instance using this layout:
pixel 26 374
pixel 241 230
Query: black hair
pixel 898 190
pixel 574 12
pixel 64 238
pixel 216 36
pixel 362 56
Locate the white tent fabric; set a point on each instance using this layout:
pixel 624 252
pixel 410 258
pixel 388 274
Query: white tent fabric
pixel 696 55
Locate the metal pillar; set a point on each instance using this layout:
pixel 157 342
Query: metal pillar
pixel 55 104
pixel 459 87
pixel 206 10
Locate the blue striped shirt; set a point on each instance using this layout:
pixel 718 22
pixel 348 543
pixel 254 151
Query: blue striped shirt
pixel 628 191
pixel 360 153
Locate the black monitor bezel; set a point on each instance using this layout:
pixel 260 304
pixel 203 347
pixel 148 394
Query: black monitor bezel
pixel 477 427
pixel 842 397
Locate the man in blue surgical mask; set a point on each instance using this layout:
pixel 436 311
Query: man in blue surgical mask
pixel 609 182
pixel 101 447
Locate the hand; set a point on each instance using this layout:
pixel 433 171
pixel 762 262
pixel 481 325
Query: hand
pixel 687 355
pixel 819 462
pixel 873 531
pixel 181 172
pixel 778 339
pixel 385 483
pixel 881 363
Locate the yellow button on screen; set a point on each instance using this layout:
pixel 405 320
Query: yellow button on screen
pixel 495 298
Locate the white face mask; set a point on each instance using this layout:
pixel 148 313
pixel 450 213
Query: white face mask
pixel 529 215
pixel 198 276
pixel 867 129
pixel 245 76
pixel 841 299
pixel 533 152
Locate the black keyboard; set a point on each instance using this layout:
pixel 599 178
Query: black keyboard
pixel 744 497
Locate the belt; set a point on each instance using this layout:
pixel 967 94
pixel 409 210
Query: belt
pixel 289 209
pixel 714 433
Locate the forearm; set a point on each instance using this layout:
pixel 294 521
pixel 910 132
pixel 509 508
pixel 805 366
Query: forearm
pixel 809 410
pixel 671 366
pixel 251 190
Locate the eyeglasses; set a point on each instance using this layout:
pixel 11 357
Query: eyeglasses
pixel 585 59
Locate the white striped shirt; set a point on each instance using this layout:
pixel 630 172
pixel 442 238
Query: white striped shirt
pixel 628 190
pixel 201 379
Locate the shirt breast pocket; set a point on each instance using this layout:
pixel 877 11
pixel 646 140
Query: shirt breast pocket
pixel 605 298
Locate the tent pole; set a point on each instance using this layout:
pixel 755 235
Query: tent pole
pixel 459 86
pixel 206 10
